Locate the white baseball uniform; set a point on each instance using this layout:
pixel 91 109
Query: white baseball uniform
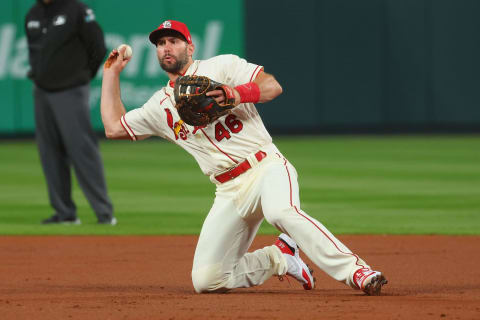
pixel 266 188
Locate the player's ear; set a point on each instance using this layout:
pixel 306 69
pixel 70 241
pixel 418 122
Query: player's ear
pixel 190 49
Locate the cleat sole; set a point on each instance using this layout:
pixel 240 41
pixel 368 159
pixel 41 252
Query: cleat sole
pixel 374 288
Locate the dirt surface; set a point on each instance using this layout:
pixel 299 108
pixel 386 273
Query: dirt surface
pixel 430 277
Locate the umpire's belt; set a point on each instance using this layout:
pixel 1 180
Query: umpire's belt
pixel 239 169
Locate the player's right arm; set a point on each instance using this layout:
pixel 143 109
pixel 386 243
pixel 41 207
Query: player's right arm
pixel 111 105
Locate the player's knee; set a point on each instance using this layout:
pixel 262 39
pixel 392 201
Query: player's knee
pixel 209 279
pixel 201 283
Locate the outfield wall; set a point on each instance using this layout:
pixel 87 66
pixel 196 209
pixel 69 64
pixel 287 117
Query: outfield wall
pixel 345 65
pixel 352 65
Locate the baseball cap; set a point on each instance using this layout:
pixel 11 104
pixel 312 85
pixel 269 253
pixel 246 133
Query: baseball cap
pixel 170 25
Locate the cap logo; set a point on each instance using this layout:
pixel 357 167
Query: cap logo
pixel 167 24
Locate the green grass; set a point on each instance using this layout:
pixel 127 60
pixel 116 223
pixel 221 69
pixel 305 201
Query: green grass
pixel 353 185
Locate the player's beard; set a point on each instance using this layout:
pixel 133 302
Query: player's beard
pixel 180 62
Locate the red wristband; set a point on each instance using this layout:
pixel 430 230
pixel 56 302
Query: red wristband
pixel 249 92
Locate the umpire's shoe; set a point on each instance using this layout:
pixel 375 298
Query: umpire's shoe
pixel 109 221
pixel 369 281
pixel 56 219
pixel 296 267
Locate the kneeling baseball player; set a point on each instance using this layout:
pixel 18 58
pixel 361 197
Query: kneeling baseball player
pixel 208 109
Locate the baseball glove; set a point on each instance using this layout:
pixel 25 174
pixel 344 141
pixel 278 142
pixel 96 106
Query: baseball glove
pixel 194 106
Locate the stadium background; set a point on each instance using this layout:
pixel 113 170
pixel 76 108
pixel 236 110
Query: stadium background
pixel 408 203
pixel 346 66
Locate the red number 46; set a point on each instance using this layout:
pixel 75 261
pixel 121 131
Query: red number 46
pixel 232 123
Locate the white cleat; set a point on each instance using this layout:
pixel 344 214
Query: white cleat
pixel 296 267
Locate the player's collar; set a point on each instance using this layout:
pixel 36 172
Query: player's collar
pixel 193 67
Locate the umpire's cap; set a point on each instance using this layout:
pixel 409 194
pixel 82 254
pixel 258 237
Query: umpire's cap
pixel 168 25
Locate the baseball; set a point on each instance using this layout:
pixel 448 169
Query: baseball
pixel 128 51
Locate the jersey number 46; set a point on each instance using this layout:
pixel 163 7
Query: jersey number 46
pixel 232 123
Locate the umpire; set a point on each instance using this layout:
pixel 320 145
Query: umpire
pixel 66 47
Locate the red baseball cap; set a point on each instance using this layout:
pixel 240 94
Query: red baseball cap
pixel 170 25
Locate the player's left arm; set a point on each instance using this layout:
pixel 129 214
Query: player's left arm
pixel 263 89
pixel 250 83
pixel 268 86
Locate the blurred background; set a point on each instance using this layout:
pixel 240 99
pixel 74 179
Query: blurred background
pixel 347 66
pixel 362 69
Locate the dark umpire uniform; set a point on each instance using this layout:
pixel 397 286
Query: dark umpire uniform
pixel 66 48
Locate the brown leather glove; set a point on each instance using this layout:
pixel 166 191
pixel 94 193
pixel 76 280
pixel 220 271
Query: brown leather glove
pixel 194 106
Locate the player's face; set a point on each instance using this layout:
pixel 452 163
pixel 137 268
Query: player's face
pixel 173 53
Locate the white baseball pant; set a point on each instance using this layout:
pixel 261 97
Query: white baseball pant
pixel 268 190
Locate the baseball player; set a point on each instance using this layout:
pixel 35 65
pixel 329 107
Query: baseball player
pixel 254 181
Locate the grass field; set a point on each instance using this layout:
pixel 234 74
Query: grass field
pixel 353 185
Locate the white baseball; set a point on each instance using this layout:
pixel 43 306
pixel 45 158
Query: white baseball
pixel 128 52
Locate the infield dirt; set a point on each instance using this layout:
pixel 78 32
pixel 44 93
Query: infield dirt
pixel 430 277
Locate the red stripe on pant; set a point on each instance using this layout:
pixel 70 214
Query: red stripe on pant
pixel 312 222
